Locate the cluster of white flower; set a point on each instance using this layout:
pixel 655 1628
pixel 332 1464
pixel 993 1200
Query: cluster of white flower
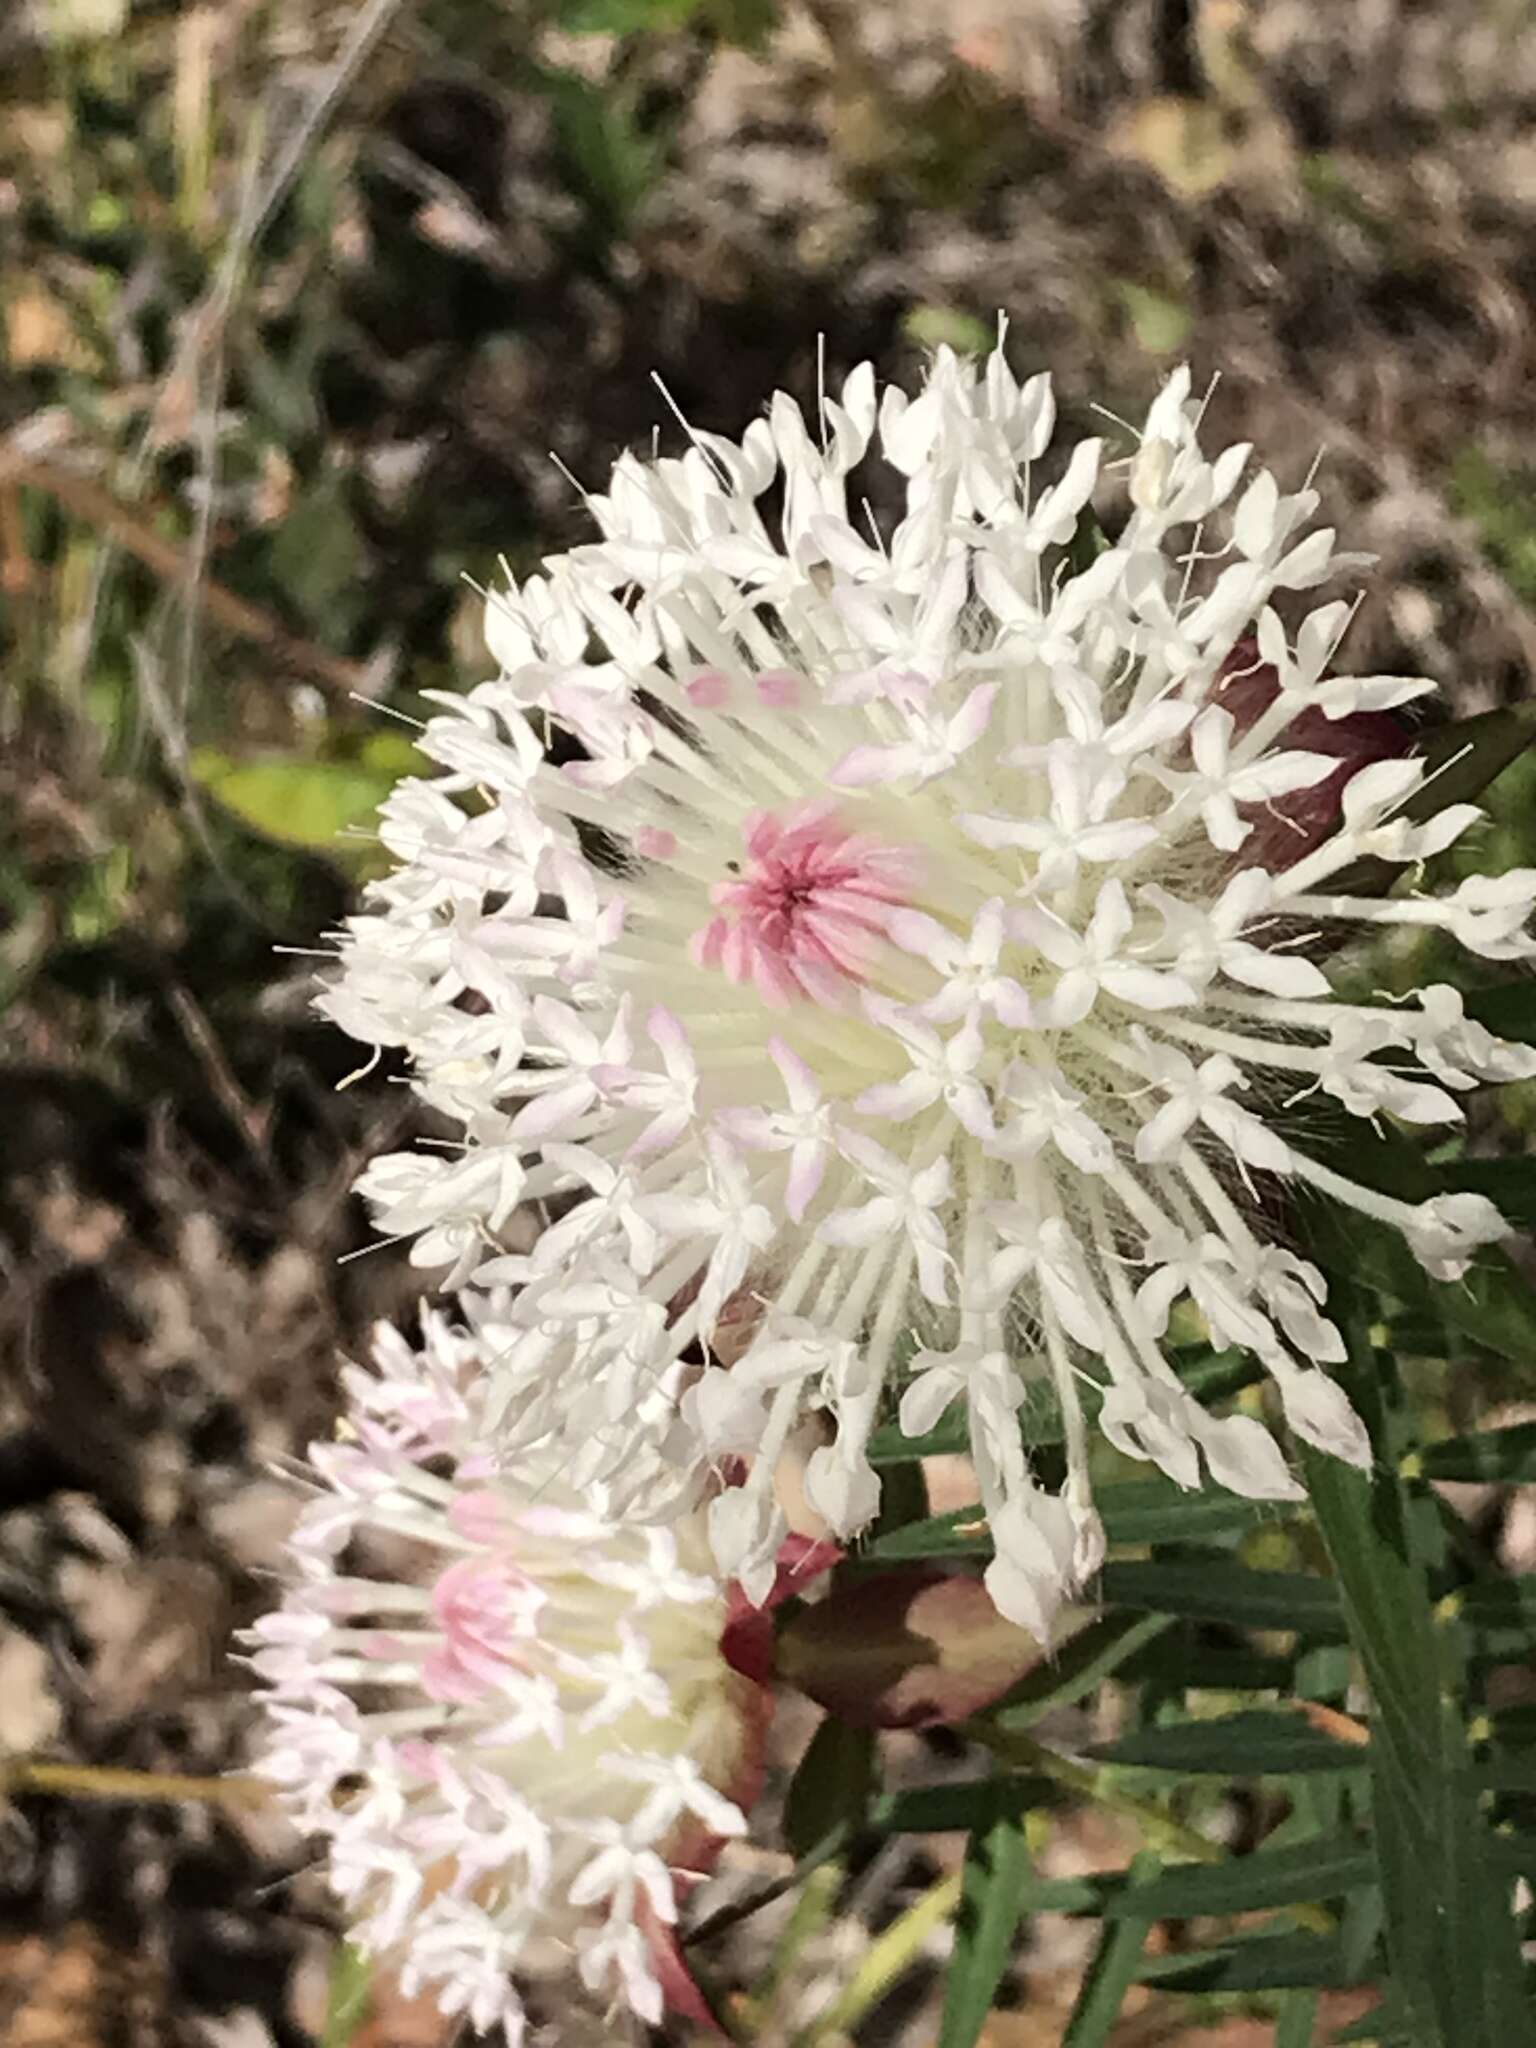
pixel 519 1725
pixel 875 949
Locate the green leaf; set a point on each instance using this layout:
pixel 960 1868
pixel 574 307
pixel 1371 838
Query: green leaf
pixel 1510 1184
pixel 1134 1511
pixel 971 1804
pixel 1507 1012
pixel 1138 1511
pixel 993 1884
pixel 1112 1970
pixel 1323 1867
pixel 1450 1938
pixel 1491 1303
pixel 1492 1454
pixel 347 1996
pixel 624 17
pixel 1083 1662
pixel 1252 1744
pixel 1181 1660
pixel 1233 1593
pixel 299 802
pixel 1253 1962
pixel 930 326
pixel 1297 2023
pixel 317 553
pixel 1160 323
pixel 831 1786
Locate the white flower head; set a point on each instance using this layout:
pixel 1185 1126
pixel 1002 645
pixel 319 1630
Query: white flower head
pixel 513 1723
pixel 903 962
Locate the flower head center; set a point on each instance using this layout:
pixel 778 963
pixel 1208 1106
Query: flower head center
pixel 487 1610
pixel 803 913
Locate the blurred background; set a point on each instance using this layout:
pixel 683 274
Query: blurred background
pixel 312 310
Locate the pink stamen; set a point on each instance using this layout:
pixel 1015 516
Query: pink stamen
pixel 804 918
pixel 778 688
pixel 708 690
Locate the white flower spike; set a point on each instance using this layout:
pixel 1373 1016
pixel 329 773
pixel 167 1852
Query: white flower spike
pixel 519 1735
pixel 913 939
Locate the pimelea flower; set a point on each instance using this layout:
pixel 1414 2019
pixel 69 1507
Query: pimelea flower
pixel 867 940
pixel 513 1722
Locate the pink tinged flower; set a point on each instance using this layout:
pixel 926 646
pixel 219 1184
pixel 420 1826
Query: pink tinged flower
pixel 1200 1095
pixel 1346 720
pixel 942 1070
pixel 971 976
pixel 804 918
pixel 1098 961
pixel 1207 942
pixel 803 1129
pixel 1219 783
pixel 906 1199
pixel 1076 828
pixel 577 1081
pixel 935 743
pixel 521 1751
pixel 1045 1109
pixel 667 1099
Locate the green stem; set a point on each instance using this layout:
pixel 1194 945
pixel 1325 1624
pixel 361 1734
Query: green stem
pixel 887 1957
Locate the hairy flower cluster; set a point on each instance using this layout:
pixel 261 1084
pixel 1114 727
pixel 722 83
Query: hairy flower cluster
pixel 894 959
pixel 509 1715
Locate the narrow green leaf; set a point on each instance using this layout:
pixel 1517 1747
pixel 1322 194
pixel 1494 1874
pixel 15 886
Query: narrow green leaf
pixel 1252 1962
pixel 347 1996
pixel 1508 1012
pixel 1137 1511
pixel 962 1533
pixel 945 1809
pixel 1219 1591
pixel 1450 1937
pixel 1134 1512
pixel 1112 1970
pixel 1510 1184
pixel 993 1885
pixel 1297 2023
pixel 1083 1662
pixel 831 1786
pixel 1493 1454
pixel 1252 1744
pixel 1491 1303
pixel 1181 1661
pixel 1386 2025
pixel 1324 1867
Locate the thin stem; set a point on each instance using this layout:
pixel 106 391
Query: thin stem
pixel 100 1781
pixel 885 1960
pixel 1160 1828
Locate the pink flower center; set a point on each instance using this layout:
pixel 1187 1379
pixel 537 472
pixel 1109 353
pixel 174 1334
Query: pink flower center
pixel 807 907
pixel 487 1610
